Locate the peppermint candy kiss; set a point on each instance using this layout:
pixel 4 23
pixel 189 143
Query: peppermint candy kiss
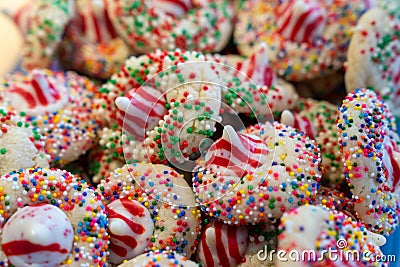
pixel 222 245
pixel 140 111
pixel 94 22
pixel 236 154
pixel 174 8
pixel 391 160
pixel 299 122
pixel 39 235
pixel 256 67
pixel 130 227
pixel 38 95
pixel 301 20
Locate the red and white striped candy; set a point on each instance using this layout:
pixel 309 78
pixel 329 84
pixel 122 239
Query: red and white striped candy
pixel 94 21
pixel 222 245
pixel 23 16
pixel 174 8
pixel 391 160
pixel 301 20
pixel 40 235
pixel 40 94
pixel 140 110
pixel 299 122
pixel 236 154
pixel 130 227
pixel 257 67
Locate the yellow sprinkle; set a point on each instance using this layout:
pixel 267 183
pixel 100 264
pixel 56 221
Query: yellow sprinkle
pixel 291 173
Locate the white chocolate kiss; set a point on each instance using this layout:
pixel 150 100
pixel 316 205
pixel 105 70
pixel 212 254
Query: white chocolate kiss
pixel 37 236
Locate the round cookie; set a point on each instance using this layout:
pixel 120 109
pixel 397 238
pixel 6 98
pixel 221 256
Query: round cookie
pixel 148 25
pixel 287 176
pixel 222 244
pixel 58 105
pixel 47 22
pixel 159 258
pixel 168 198
pixel 21 146
pixel 67 193
pixel 166 103
pixel 373 57
pixel 307 39
pixel 317 229
pixel 370 148
pixel 91 45
pixel 97 60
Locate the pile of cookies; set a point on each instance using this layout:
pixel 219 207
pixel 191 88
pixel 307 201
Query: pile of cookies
pixel 212 133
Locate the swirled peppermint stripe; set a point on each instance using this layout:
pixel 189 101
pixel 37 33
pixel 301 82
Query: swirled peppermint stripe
pixel 236 153
pixel 300 20
pixel 140 110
